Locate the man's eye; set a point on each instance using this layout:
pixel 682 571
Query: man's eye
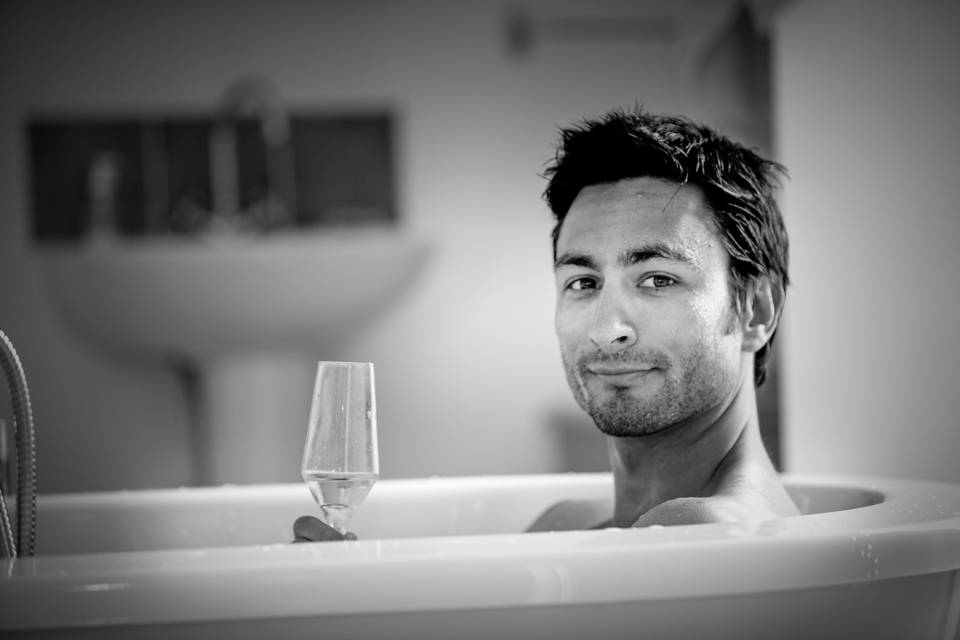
pixel 582 284
pixel 658 282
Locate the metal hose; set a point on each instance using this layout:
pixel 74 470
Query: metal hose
pixel 8 548
pixel 26 457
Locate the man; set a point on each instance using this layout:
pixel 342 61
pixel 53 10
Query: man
pixel 670 260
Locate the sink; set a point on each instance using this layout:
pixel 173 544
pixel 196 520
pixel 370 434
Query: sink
pixel 243 319
pixel 163 298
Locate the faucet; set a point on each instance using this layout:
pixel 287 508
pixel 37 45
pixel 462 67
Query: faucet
pixel 259 98
pixel 26 461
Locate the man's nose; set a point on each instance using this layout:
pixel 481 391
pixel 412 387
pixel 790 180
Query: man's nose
pixel 612 327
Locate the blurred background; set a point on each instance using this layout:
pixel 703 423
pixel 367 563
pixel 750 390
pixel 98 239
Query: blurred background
pixel 361 181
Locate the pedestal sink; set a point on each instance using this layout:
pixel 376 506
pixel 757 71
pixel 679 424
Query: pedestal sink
pixel 243 319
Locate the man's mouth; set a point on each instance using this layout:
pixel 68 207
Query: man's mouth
pixel 619 373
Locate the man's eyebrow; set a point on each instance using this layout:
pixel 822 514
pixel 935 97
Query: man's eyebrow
pixel 649 252
pixel 630 256
pixel 575 260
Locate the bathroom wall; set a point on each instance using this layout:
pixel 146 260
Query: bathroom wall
pixel 866 102
pixel 468 375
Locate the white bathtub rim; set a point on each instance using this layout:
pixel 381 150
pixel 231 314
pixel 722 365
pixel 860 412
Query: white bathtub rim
pixel 303 581
pixel 502 570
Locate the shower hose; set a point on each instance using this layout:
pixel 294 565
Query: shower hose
pixel 26 504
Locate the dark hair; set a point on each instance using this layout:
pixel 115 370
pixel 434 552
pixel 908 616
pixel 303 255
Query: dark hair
pixel 737 183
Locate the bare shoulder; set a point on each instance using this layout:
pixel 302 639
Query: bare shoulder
pixel 701 510
pixel 751 504
pixel 747 494
pixel 570 515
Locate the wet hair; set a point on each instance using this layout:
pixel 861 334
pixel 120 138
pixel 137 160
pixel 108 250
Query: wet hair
pixel 738 184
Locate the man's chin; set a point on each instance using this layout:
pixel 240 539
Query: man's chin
pixel 623 417
pixel 621 428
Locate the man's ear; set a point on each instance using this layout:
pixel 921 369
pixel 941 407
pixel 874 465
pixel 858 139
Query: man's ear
pixel 761 312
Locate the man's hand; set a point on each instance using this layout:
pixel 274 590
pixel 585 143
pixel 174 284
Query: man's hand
pixel 310 529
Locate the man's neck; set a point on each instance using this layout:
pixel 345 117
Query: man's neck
pixel 686 460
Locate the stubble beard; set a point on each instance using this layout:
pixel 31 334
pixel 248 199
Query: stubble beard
pixel 674 392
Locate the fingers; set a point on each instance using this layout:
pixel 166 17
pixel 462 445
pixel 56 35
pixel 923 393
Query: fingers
pixel 310 529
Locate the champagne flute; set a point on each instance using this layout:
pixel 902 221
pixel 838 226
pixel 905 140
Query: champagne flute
pixel 340 459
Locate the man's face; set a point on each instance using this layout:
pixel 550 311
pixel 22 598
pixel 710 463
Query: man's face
pixel 647 332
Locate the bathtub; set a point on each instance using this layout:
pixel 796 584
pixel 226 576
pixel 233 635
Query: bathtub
pixel 442 558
